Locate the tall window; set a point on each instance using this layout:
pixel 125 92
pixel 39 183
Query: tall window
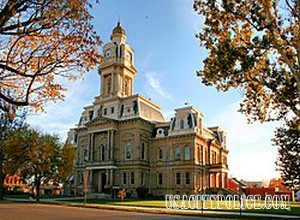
pixel 143 151
pixel 182 124
pixel 187 153
pixel 127 86
pixel 177 176
pixel 177 153
pixel 206 156
pixel 199 153
pixel 132 178
pixel 86 154
pixel 108 84
pixel 214 157
pixel 159 178
pixel 187 178
pixel 124 178
pixel 128 151
pixel 160 154
pixel 102 152
pixel 142 178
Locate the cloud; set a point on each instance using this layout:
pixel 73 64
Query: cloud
pixel 63 115
pixel 252 155
pixel 188 18
pixel 168 115
pixel 153 87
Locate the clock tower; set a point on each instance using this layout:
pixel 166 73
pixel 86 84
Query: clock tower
pixel 117 70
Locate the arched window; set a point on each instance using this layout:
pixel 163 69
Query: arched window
pixel 182 124
pixel 128 151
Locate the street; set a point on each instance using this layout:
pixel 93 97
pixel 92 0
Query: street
pixel 25 211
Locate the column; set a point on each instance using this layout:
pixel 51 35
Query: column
pixel 90 183
pixel 112 144
pixel 89 148
pixel 108 145
pixel 99 181
pixel 107 177
pixel 111 177
pixel 92 146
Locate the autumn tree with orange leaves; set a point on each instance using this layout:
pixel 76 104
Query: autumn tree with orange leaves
pixel 42 41
pixel 254 46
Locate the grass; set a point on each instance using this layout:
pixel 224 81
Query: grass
pixel 295 207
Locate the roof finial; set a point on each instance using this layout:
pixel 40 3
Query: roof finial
pixel 119 21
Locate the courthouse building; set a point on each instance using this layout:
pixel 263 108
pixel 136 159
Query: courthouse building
pixel 122 139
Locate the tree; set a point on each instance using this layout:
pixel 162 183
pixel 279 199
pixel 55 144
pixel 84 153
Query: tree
pixel 254 46
pixel 35 155
pixel 41 42
pixel 7 125
pixel 288 140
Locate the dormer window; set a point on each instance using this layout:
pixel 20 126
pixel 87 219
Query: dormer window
pixel 182 124
pixel 91 115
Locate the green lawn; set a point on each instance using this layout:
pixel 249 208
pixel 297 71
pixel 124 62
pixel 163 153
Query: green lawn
pixel 295 206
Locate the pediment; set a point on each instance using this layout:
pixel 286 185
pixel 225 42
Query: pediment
pixel 100 120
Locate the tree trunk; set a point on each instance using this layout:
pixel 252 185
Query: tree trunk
pixel 37 187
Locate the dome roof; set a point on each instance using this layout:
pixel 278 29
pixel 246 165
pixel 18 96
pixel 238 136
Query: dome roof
pixel 118 29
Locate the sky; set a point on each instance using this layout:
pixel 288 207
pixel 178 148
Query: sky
pixel 167 56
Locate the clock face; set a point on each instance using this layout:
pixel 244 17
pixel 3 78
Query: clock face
pixel 107 53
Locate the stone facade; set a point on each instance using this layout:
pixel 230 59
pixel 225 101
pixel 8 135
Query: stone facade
pixel 123 141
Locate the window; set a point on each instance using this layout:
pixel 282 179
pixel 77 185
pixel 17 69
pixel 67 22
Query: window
pixel 102 152
pixel 160 154
pixel 177 178
pixel 108 84
pixel 214 157
pixel 91 114
pixel 132 178
pixel 143 151
pixel 177 153
pixel 206 156
pixel 112 110
pixel 187 178
pixel 224 160
pixel 200 153
pixel 159 179
pixel 124 178
pixel 86 154
pixel 128 151
pixel 105 111
pixel 142 178
pixel 182 124
pixel 187 153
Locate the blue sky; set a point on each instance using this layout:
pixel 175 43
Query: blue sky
pixel 167 55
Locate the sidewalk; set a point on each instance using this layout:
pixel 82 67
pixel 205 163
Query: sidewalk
pixel 56 201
